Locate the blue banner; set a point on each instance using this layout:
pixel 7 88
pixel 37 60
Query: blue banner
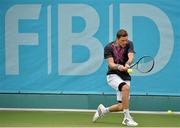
pixel 57 46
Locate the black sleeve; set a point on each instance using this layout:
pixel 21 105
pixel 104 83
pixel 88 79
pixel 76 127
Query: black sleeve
pixel 108 52
pixel 131 47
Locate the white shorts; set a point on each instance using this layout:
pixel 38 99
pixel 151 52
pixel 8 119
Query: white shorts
pixel 114 81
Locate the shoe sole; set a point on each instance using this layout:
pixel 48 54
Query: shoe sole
pixel 129 125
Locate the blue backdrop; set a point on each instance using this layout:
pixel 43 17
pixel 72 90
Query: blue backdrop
pixel 57 46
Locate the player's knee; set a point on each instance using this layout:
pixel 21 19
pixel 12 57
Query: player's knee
pixel 121 85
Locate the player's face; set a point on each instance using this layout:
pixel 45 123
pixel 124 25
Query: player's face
pixel 123 41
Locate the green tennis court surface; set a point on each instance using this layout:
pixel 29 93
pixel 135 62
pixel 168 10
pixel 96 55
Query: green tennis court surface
pixel 81 119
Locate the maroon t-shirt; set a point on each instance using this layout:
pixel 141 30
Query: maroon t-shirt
pixel 120 56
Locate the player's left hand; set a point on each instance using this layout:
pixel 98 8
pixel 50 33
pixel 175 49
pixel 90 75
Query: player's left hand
pixel 127 66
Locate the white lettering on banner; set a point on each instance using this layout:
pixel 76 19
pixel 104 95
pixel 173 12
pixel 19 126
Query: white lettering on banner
pixel 13 39
pixel 66 39
pixel 49 43
pixel 111 37
pixel 163 24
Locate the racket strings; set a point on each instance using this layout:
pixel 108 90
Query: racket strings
pixel 145 64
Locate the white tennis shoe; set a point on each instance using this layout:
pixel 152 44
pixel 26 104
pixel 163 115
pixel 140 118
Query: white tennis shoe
pixel 99 113
pixel 129 122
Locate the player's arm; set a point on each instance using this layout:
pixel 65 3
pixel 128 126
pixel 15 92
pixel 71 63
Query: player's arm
pixel 114 66
pixel 130 59
pixel 130 55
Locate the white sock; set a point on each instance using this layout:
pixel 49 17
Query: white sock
pixel 106 110
pixel 126 113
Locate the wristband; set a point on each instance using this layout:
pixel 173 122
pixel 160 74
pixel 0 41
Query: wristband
pixel 119 67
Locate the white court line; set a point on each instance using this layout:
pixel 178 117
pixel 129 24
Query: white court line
pixel 80 110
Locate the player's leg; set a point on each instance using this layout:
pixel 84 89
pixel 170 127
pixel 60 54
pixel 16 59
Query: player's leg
pixel 125 96
pixel 125 92
pixel 120 86
pixel 116 107
pixel 113 80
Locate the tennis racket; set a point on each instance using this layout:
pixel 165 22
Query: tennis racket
pixel 144 65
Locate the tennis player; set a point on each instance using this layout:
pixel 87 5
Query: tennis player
pixel 119 55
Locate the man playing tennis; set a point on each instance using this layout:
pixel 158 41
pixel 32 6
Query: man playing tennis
pixel 119 55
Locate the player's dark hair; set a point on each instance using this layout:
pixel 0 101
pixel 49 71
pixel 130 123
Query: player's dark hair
pixel 121 33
